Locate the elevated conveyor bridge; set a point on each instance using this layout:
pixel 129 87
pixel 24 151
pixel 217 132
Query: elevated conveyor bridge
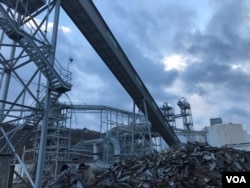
pixel 28 54
pixel 91 24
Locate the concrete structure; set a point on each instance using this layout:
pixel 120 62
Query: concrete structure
pixel 218 134
pixel 230 135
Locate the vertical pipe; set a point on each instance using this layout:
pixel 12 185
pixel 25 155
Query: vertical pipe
pixel 108 133
pixel 42 150
pixel 95 151
pixel 70 123
pixel 160 139
pixel 147 124
pixel 5 89
pixel 57 150
pixel 1 38
pixel 101 128
pixel 38 86
pixel 133 130
pixel 3 69
pixel 6 84
pixel 23 101
pixel 55 31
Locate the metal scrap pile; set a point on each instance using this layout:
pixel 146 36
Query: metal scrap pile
pixel 189 165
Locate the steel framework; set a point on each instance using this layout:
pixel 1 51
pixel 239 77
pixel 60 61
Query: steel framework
pixel 32 79
pixel 186 115
pixel 122 133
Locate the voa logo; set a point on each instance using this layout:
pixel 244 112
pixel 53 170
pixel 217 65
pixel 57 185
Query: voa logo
pixel 241 179
pixel 236 179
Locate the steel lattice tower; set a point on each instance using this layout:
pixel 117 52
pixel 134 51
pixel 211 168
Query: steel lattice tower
pixel 186 114
pixel 31 79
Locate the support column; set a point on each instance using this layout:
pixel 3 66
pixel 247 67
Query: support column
pixel 133 130
pixel 6 83
pixel 95 151
pixel 44 129
pixel 148 126
pixel 42 146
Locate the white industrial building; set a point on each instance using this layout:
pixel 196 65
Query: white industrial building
pixel 220 134
pixel 229 135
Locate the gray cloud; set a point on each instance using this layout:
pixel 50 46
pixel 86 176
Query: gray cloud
pixel 147 32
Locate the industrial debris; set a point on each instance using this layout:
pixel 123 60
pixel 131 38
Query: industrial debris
pixel 188 165
pixel 72 175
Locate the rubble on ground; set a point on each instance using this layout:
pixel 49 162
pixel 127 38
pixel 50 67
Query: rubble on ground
pixel 189 165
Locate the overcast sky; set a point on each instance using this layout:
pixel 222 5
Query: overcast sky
pixel 199 50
